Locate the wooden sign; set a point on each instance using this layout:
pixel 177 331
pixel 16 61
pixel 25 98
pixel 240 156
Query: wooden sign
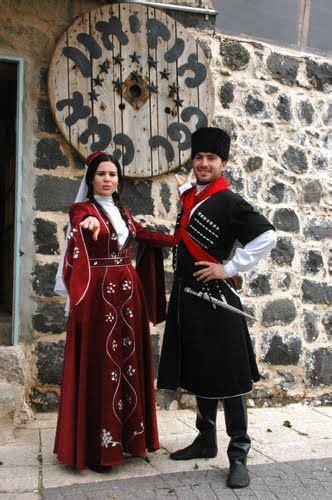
pixel 128 79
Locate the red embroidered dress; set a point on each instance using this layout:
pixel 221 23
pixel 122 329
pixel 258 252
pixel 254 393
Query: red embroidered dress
pixel 107 404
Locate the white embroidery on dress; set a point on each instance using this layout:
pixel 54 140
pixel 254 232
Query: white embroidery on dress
pixel 76 253
pixel 126 285
pixel 127 342
pixel 120 404
pixel 114 376
pixel 129 312
pixel 106 439
pixel 129 399
pixel 111 288
pixel 114 236
pixel 114 345
pixel 131 370
pixel 109 318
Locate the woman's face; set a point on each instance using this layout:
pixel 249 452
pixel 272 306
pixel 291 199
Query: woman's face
pixel 105 180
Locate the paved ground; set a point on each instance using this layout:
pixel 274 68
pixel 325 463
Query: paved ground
pixel 288 459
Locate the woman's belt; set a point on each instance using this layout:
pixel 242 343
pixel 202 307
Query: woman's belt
pixel 110 261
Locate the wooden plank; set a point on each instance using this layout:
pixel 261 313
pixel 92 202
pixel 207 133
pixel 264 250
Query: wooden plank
pixel 157 155
pixel 79 83
pixel 187 94
pixel 104 109
pixel 58 86
pixel 205 91
pixel 136 120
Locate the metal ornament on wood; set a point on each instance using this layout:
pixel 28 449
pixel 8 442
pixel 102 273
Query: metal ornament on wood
pixel 128 79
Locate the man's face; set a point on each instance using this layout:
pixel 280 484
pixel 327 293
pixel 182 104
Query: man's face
pixel 208 167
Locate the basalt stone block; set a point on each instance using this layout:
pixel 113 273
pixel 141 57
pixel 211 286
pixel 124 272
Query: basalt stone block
pixel 318 229
pixel 49 318
pixel 278 192
pixel 44 279
pixel 319 367
pixel 312 192
pixel 319 75
pixel 285 219
pixel 254 163
pixel 50 361
pixel 320 161
pixel 249 308
pixel 310 325
pixel 79 162
pixel 44 401
pixel 327 323
pixel 49 154
pixel 227 124
pixel 137 195
pixel 165 194
pixel 254 106
pixel 317 293
pixel 169 276
pixel 226 95
pixel 166 399
pixel 235 178
pixel 295 159
pixel 281 348
pixel 306 112
pixel 279 312
pixel 46 237
pixel 55 194
pixel 42 81
pixel 155 353
pixel 286 380
pixel 312 262
pixel 254 183
pixel 259 284
pixel 283 68
pixel 271 89
pixel 235 55
pixel 44 117
pixel 283 108
pixel 284 281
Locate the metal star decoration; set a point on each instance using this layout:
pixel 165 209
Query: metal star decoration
pixel 98 81
pixel 93 95
pixel 118 83
pixel 153 88
pixel 152 63
pixel 174 88
pixel 104 67
pixel 178 102
pixel 118 59
pixel 164 74
pixel 135 57
pixel 136 76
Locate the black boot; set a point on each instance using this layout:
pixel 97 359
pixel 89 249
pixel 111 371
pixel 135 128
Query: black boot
pixel 100 468
pixel 235 410
pixel 205 444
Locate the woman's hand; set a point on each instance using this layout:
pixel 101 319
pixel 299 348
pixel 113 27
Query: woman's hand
pixel 184 179
pixel 92 224
pixel 211 271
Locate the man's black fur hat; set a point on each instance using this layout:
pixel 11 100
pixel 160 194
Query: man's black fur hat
pixel 210 140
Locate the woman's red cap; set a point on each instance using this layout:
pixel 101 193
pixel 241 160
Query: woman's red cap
pixel 94 155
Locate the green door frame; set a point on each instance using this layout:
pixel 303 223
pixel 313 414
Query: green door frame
pixel 18 195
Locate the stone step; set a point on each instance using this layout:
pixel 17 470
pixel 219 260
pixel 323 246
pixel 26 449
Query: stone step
pixel 7 411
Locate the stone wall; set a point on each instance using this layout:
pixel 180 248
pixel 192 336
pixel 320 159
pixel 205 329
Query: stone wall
pixel 274 103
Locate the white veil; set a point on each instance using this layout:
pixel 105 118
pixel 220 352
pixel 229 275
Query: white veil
pixel 60 287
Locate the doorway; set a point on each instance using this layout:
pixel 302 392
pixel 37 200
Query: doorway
pixel 8 113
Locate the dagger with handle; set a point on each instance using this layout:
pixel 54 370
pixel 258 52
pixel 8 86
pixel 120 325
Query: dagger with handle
pixel 216 302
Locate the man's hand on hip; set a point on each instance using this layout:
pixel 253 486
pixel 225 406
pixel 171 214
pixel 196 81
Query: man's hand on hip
pixel 210 271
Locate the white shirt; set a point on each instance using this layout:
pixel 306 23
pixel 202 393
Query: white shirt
pixel 247 257
pixel 113 212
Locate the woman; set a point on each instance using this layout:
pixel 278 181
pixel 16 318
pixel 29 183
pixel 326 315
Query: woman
pixel 107 404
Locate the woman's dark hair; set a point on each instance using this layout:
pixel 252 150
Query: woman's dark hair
pixel 92 168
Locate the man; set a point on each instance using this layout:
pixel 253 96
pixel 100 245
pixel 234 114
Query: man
pixel 207 349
